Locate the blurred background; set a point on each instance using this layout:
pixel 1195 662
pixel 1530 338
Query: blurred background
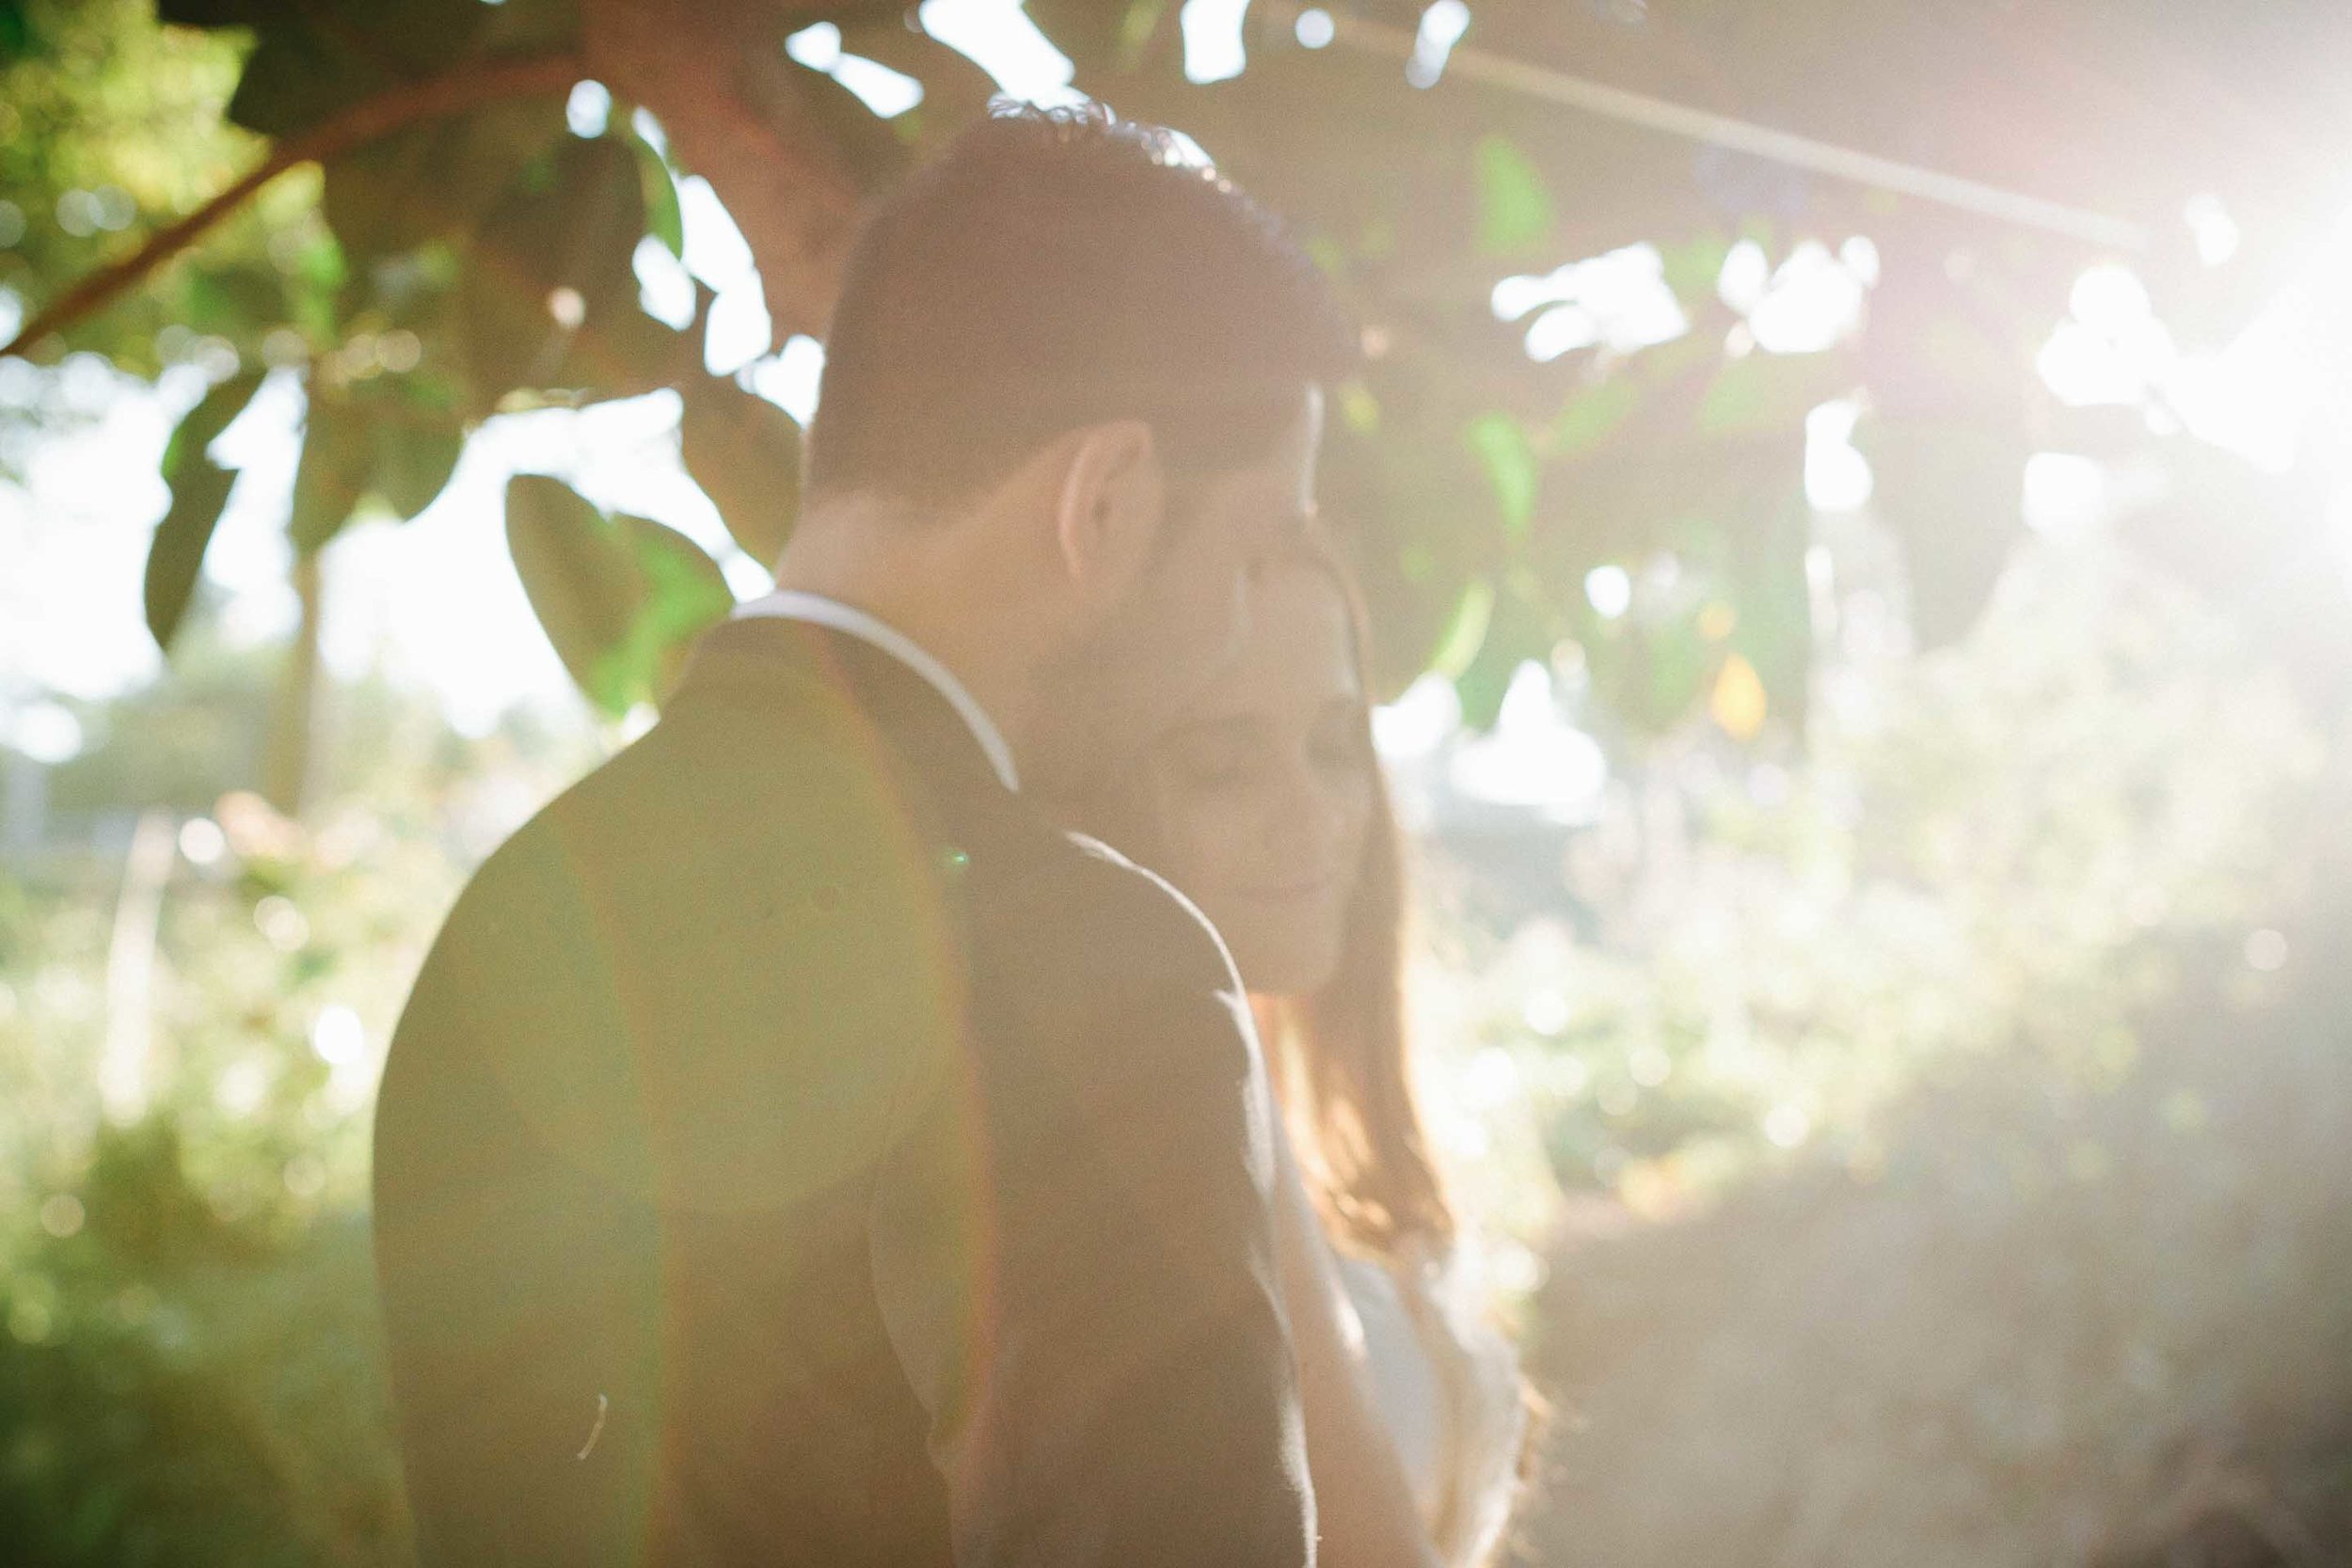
pixel 1854 500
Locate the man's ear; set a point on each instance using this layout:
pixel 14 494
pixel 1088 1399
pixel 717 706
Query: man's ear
pixel 1112 504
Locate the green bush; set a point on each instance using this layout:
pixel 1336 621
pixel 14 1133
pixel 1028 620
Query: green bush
pixel 188 1347
pixel 177 1388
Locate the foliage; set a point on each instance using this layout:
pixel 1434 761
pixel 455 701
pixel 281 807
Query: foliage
pixel 109 126
pixel 199 1410
pixel 187 1342
pixel 471 255
pixel 2050 1321
pixel 1975 948
pixel 1989 856
pixel 1932 1145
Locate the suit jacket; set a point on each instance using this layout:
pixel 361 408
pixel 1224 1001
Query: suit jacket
pixel 794 1151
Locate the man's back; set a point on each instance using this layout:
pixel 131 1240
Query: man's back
pixel 793 1151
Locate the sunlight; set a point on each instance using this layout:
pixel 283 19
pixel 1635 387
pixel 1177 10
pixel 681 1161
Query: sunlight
pixel 716 251
pixel 739 330
pixel 1442 27
pixel 1619 300
pixel 1533 759
pixel 435 602
pixel 2064 493
pixel 1610 591
pixel 998 37
pixel 789 378
pixel 816 46
pixel 1745 276
pixel 1837 477
pixel 889 93
pixel 1813 300
pixel 74 533
pixel 44 730
pixel 1419 722
pixel 2214 232
pixel 665 289
pixel 2257 396
pixel 588 109
pixel 1788 1125
pixel 1213 51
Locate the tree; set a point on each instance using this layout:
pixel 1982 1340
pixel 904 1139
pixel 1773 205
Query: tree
pixel 460 251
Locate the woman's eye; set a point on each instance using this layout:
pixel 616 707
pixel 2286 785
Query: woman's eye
pixel 1212 773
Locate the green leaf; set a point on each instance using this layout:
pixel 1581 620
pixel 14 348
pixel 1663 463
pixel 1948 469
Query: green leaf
pixel 1510 465
pixel 529 27
pixel 581 579
pixel 1514 209
pixel 1594 414
pixel 413 459
pixel 622 598
pixel 296 77
pixel 685 593
pixel 1482 683
pixel 1096 34
pixel 1946 489
pixel 208 13
pixel 203 424
pixel 1692 267
pixel 177 555
pixel 745 454
pixel 865 142
pixel 1764 392
pixel 332 474
pixel 200 489
pixel 568 234
pixel 1680 663
pixel 437 179
pixel 16 32
pixel 1465 633
pixel 956 92
pixel 233 301
pixel 317 57
pixel 664 220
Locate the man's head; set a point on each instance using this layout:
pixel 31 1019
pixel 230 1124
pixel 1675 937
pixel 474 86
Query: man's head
pixel 1070 401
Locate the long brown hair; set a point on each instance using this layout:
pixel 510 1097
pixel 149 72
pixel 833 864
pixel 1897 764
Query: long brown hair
pixel 1341 1054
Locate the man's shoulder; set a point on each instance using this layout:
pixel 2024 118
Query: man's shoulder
pixel 1114 922
pixel 797 775
pixel 785 834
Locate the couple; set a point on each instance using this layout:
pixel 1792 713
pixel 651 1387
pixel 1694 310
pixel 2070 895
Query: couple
pixel 801 1145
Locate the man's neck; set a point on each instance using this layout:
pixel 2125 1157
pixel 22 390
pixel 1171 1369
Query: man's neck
pixel 925 597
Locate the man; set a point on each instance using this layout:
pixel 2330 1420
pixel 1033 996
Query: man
pixel 793 1151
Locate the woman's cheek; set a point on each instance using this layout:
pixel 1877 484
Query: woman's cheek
pixel 1353 827
pixel 1201 838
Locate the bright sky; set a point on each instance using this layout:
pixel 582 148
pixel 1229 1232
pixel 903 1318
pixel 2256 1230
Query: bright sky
pixel 437 602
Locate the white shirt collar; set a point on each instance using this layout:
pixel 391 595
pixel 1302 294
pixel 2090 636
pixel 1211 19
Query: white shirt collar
pixel 795 605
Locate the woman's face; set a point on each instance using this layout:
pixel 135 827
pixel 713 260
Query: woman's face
pixel 1262 793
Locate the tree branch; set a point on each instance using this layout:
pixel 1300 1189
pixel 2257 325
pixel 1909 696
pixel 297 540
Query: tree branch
pixel 370 117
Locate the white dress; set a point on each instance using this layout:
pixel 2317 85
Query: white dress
pixel 1447 1385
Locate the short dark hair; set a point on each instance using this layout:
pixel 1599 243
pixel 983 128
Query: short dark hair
pixel 1054 269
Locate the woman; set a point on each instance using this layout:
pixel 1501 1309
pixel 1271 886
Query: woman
pixel 1265 805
